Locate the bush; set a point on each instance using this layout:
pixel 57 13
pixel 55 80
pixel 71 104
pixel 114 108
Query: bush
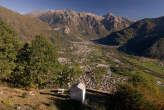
pixel 145 84
pixel 36 64
pixel 127 98
pixel 69 74
pixel 130 98
pixel 9 46
pixel 138 79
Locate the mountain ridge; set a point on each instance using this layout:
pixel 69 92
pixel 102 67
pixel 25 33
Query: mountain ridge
pixel 26 26
pixel 82 23
pixel 143 38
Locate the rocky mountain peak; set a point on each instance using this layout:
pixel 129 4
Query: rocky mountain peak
pixel 112 22
pixel 109 15
pixel 83 23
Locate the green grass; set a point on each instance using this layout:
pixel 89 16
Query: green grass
pixel 7 102
pixel 151 64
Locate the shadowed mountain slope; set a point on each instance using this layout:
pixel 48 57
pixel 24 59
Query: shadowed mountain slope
pixel 143 38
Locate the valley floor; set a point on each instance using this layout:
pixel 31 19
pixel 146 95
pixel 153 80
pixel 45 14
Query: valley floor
pixel 91 57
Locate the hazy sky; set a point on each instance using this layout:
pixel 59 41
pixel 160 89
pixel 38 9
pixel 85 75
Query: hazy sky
pixel 134 9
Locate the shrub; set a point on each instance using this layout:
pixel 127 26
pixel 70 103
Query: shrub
pixel 9 45
pixel 127 98
pixel 24 95
pixel 7 102
pixel 130 98
pixel 36 64
pixel 138 79
pixel 69 74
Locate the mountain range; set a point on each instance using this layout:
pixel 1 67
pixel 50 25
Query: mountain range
pixel 81 24
pixel 143 37
pixel 116 58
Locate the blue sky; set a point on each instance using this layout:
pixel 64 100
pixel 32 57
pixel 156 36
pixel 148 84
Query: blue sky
pixel 133 9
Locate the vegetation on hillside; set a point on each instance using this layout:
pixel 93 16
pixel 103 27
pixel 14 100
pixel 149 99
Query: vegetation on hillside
pixel 143 38
pixel 35 65
pixel 26 27
pixel 148 35
pixel 9 46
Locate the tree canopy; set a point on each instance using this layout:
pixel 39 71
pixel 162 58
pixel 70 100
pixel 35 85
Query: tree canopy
pixel 9 45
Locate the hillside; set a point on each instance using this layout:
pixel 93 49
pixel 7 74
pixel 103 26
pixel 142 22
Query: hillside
pixel 143 38
pixel 39 66
pixel 81 24
pixel 27 27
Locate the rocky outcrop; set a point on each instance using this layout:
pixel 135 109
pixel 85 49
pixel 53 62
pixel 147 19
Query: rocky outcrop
pixel 82 24
pixel 115 23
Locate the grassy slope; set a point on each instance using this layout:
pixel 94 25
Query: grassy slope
pixel 27 27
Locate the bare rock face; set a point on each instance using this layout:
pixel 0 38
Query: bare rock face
pixel 81 23
pixel 112 22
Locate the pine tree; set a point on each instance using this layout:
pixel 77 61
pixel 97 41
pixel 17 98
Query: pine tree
pixel 36 63
pixel 9 45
